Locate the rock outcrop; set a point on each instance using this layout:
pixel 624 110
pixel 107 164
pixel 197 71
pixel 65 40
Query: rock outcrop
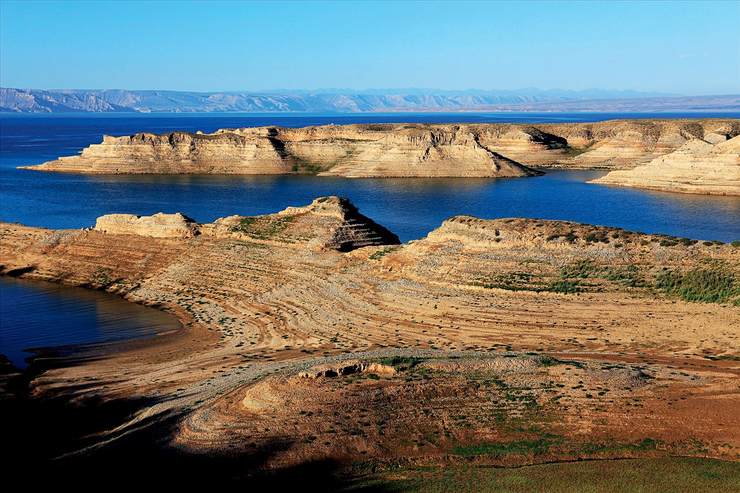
pixel 696 167
pixel 157 226
pixel 328 223
pixel 394 150
pixel 629 143
pixel 348 356
pixel 355 151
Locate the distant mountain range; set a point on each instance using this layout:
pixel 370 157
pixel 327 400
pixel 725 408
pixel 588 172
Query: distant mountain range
pixel 348 101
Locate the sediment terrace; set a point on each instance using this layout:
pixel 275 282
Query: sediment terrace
pixel 697 166
pixel 397 150
pixel 505 341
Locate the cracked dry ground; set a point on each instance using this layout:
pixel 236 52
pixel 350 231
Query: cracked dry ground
pixel 500 342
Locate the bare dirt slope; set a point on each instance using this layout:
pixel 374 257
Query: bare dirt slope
pixel 312 333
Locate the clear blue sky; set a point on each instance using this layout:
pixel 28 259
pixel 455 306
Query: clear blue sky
pixel 681 47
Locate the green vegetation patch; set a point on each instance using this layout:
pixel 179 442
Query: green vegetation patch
pixel 522 281
pixel 654 475
pixel 565 286
pixel 382 252
pixel 262 227
pixel 581 269
pixel 569 280
pixel 644 445
pixel 600 236
pixel 570 236
pixel 715 283
pixel 538 446
pixel 401 363
pixel 304 168
pixel 101 277
pixel 513 281
pixel 722 357
pixel 627 275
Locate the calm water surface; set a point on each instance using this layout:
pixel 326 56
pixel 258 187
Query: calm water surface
pixel 39 314
pixel 409 207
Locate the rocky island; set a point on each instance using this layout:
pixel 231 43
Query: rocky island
pixel 311 335
pixel 698 166
pixel 396 150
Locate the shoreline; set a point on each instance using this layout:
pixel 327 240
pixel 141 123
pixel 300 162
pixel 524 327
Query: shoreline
pixel 263 313
pixel 402 150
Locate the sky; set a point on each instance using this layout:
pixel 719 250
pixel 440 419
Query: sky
pixel 687 48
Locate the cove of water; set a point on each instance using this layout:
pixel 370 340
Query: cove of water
pixel 37 314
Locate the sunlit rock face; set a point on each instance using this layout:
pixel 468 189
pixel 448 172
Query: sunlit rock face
pixel 697 166
pixel 395 150
pixel 157 226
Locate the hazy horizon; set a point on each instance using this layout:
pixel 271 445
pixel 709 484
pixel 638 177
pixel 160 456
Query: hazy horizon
pixel 383 90
pixel 681 48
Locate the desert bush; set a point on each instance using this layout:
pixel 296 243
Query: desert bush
pixel 711 284
pixel 566 287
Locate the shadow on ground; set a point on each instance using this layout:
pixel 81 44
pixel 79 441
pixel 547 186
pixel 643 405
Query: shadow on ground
pixel 42 439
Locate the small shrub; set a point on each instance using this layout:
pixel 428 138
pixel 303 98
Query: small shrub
pixel 101 277
pixel 570 237
pixel 382 252
pixel 714 284
pixel 401 362
pixel 628 275
pixel 597 237
pixel 519 447
pixel 549 361
pixel 565 286
pixel 513 281
pixel 581 269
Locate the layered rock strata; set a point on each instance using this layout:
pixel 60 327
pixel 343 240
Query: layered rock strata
pixel 696 167
pixel 395 150
pixel 159 225
pixel 328 223
pixel 288 337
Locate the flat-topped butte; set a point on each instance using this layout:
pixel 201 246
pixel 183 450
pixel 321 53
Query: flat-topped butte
pixel 396 150
pixel 698 166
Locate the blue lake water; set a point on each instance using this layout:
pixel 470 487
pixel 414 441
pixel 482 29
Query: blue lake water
pixel 39 314
pixel 409 207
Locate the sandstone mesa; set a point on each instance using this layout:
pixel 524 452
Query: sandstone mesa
pixel 396 150
pixel 698 166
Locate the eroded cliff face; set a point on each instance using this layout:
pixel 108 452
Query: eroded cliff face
pixel 157 226
pixel 327 223
pixel 696 167
pixel 396 150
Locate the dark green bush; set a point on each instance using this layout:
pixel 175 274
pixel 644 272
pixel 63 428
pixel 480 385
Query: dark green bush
pixel 566 287
pixel 713 284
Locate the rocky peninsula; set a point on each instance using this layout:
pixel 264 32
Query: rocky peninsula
pixel 698 166
pixel 313 335
pixel 396 150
